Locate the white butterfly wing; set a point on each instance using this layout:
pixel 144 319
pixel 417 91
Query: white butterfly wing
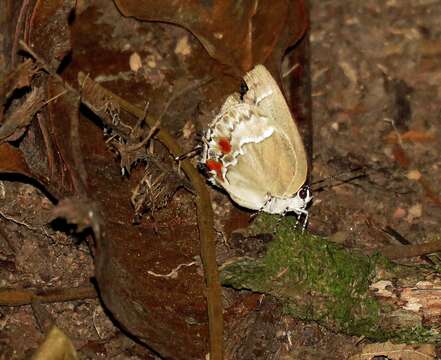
pixel 266 94
pixel 265 168
pixel 240 123
pixel 267 158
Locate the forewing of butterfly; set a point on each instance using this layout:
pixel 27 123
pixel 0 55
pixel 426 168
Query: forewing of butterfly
pixel 254 127
pixel 267 95
pixel 235 127
pixel 240 122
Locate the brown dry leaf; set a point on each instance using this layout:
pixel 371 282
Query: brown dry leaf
pixel 12 161
pixel 44 26
pixel 80 212
pixel 16 123
pixel 48 30
pixel 56 346
pixel 396 351
pixel 149 246
pixel 18 78
pixel 234 33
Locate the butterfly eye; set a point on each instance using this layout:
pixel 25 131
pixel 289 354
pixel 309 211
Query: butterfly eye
pixel 303 193
pixel 243 89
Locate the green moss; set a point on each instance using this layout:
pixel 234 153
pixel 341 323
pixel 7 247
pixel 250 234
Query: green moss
pixel 316 279
pixel 417 335
pixel 321 281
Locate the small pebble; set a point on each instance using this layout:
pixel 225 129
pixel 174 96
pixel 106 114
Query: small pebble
pixel 183 47
pixel 414 175
pixel 135 62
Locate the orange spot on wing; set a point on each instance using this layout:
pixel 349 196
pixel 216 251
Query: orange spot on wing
pixel 224 145
pixel 215 166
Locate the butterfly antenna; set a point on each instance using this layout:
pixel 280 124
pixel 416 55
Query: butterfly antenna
pixel 199 135
pixel 339 179
pixel 193 152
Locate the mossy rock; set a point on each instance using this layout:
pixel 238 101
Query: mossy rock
pixel 320 281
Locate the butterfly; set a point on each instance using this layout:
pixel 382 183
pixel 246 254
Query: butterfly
pixel 253 149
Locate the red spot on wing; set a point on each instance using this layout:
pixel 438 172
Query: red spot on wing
pixel 224 145
pixel 215 166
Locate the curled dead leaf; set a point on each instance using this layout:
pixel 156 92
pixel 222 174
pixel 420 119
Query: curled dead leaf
pixel 16 123
pixel 396 351
pixel 18 78
pixel 13 161
pixel 56 346
pixel 79 212
pixel 234 33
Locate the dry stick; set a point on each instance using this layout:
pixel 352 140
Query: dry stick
pixel 205 223
pixel 395 252
pixel 400 238
pixel 139 145
pixel 15 297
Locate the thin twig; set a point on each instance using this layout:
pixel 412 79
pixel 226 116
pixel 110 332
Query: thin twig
pixel 53 98
pixel 19 297
pixel 139 145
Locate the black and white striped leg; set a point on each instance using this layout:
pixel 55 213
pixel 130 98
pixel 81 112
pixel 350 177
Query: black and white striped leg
pixel 299 213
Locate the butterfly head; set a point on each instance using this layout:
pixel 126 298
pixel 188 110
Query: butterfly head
pixel 299 204
pixel 301 200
